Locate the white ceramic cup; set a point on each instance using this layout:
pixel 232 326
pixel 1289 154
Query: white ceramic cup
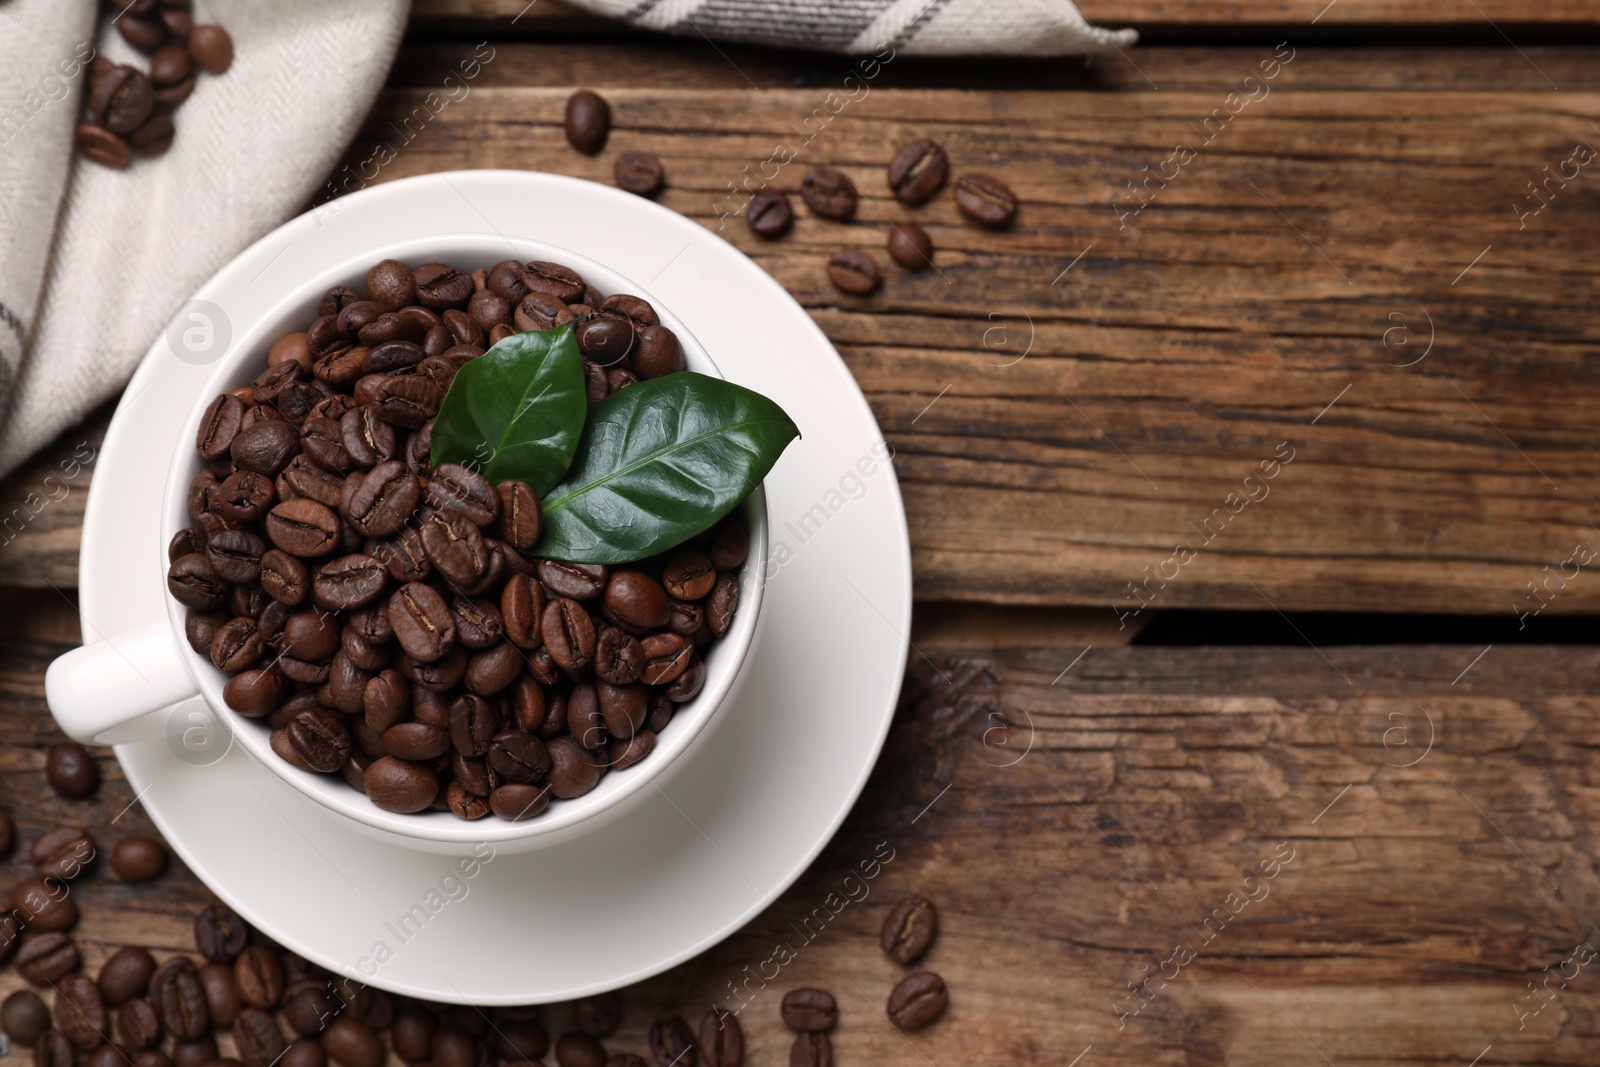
pixel 122 689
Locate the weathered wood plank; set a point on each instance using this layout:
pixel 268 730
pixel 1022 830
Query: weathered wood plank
pixel 1185 348
pixel 552 14
pixel 1428 883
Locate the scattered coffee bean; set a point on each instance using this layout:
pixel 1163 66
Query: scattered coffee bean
pixel 44 958
pixel 672 1043
pixel 721 1039
pixel 53 1050
pixel 44 904
pixel 918 1001
pixel 352 1043
pixel 520 1041
pixel 918 171
pixel 80 1014
pixel 910 246
pixel 138 1024
pixel 578 1050
pixel 639 173
pixel 588 122
pixel 212 48
pixel 259 977
pixel 24 1017
pixel 810 1010
pixel 853 271
pixel 62 853
pixel 222 993
pixel 257 1038
pixel 219 934
pixel 70 770
pixel 102 146
pixel 600 1015
pixel 986 199
pixel 811 1050
pixel 909 929
pixel 130 111
pixel 829 193
pixel 126 975
pixel 769 214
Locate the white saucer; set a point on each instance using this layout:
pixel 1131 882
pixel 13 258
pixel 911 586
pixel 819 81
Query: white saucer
pixel 734 823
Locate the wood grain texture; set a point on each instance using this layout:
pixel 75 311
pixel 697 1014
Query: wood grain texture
pixel 1194 13
pixel 1185 348
pixel 1074 829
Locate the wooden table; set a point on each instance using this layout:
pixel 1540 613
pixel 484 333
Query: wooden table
pixel 1348 272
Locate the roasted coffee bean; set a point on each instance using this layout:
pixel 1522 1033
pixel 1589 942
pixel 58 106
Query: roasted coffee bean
pixel 181 1000
pixel 462 329
pixel 399 786
pixel 257 1037
pixel 519 522
pixel 672 1043
pixel 619 378
pixel 305 479
pixel 640 745
pixel 323 743
pixel 918 1001
pixel 478 622
pixel 522 611
pixel 152 1058
pixel 24 1017
pixel 580 1050
pixel 721 1039
pixel 70 770
pixel 390 283
pixel 244 496
pixel 52 1049
pixel 255 692
pixel 121 98
pixel 575 581
pixel 464 491
pixel 559 280
pixel 588 122
pixel 438 675
pixel 917 171
pixel 492 669
pixel 138 1024
pixel 810 1010
pixel 200 1052
pixel 769 213
pixel 721 604
pixel 463 803
pixel 367 439
pixel 126 975
pixel 353 317
pixel 264 447
pixel 385 328
pixel 571 774
pixel 283 577
pixel 909 929
pixel 145 31
pixel 488 310
pixel 308 1008
pixel 238 645
pixel 520 1041
pixel 473 725
pixel 622 708
pixel 666 656
pixel 853 271
pixel 636 599
pixel 569 633
pixel 596 386
pixel 518 757
pixel 101 146
pixel 658 353
pixel 618 656
pixel 986 199
pixel 454 546
pixel 311 635
pixel 219 934
pixel 62 853
pixel 416 741
pixel 829 193
pixel 212 48
pixel 632 307
pixel 910 246
pixel 422 622
pixel 170 64
pixel 187 540
pixel 689 683
pixel 513 801
pixel 402 555
pixel 599 1015
pixel 80 1014
pixel 384 500
pixel 811 1050
pixel 440 286
pixel 44 958
pixel 201 627
pixel 219 426
pixel 407 400
pixel 539 310
pixel 639 173
pixel 353 1044
pixel 194 584
pixel 222 993
pixel 386 700
pixel 606 340
pixel 688 576
pixel 236 555
pixel 412 1034
pixel 303 528
pixel 453 1046
pixel 322 440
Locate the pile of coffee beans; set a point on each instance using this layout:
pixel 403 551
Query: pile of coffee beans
pixel 129 111
pixel 378 613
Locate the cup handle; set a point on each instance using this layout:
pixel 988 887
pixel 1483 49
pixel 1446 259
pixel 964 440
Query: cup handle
pixel 98 687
